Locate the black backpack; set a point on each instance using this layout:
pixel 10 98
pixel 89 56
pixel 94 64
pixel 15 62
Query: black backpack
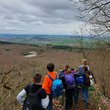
pixel 32 101
pixel 87 81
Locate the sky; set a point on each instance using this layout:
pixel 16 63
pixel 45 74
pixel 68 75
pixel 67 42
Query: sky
pixel 38 17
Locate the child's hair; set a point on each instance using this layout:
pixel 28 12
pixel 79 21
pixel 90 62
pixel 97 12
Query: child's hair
pixel 37 78
pixel 50 67
pixel 67 66
pixel 84 61
pixel 68 70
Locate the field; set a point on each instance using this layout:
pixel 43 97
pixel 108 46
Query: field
pixel 43 40
pixel 16 70
pixel 11 55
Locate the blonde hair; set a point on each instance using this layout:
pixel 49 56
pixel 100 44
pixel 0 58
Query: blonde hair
pixel 67 66
pixel 84 60
pixel 69 70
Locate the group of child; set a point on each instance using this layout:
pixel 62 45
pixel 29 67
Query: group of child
pixel 42 93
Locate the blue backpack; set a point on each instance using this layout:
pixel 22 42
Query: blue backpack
pixel 80 80
pixel 70 81
pixel 57 87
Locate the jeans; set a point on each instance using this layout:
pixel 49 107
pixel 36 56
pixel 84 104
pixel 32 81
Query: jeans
pixel 85 91
pixel 50 106
pixel 75 94
pixel 69 98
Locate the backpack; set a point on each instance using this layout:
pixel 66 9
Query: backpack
pixel 92 81
pixel 79 80
pixel 57 87
pixel 32 101
pixel 87 81
pixel 70 81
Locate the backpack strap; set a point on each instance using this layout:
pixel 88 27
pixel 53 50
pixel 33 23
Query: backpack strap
pixel 36 93
pixel 50 77
pixel 56 75
pixel 30 88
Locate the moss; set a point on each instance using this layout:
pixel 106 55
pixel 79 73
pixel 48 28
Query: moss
pixel 103 107
pixel 92 88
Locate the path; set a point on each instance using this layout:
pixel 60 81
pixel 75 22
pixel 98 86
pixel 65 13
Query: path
pixel 96 102
pixel 79 105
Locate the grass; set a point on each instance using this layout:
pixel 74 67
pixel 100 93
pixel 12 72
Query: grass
pixel 104 107
pixel 55 42
pixel 25 68
pixel 92 89
pixel 96 98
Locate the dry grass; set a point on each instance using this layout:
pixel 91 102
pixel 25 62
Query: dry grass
pixel 17 71
pixel 12 81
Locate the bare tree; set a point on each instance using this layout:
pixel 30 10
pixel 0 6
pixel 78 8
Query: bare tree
pixel 97 14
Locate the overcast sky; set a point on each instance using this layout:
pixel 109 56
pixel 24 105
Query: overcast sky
pixel 38 17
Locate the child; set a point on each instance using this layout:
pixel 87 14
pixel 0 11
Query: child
pixel 47 84
pixel 32 90
pixel 70 88
pixel 69 93
pixel 84 63
pixel 85 87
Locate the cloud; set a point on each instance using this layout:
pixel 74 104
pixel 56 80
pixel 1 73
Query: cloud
pixel 38 16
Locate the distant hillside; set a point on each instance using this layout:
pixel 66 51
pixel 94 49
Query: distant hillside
pixel 6 42
pixel 55 40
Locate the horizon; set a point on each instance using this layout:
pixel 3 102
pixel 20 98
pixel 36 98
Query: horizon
pixel 34 34
pixel 42 35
